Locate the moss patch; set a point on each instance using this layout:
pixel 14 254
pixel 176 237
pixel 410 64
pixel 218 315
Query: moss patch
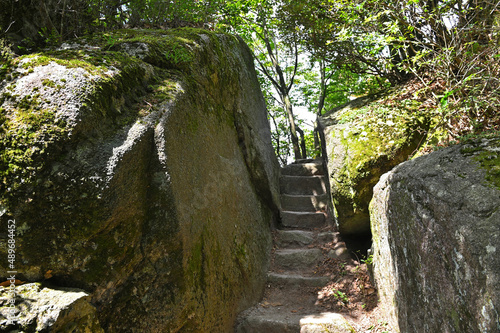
pixel 30 126
pixel 368 138
pixel 490 161
pixel 30 123
pixel 376 133
pixel 27 131
pixel 172 49
pixel 90 61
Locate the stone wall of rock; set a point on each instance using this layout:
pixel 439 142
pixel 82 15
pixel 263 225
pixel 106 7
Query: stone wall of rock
pixel 436 236
pixel 141 171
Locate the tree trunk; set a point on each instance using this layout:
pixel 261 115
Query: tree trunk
pixel 322 91
pixel 293 129
pixel 302 142
pixel 283 89
pixel 317 141
pixel 277 140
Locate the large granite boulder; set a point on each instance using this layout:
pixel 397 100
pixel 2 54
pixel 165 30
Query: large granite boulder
pixel 436 236
pixel 362 140
pixel 140 168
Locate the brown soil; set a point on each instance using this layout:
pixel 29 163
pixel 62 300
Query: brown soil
pixel 352 293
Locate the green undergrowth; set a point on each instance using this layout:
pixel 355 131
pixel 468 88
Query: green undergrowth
pixel 5 69
pixel 474 137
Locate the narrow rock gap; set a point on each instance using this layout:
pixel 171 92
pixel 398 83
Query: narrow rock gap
pixel 358 245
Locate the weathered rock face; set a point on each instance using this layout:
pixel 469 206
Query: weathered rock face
pixel 42 309
pixel 436 237
pixel 363 140
pixel 142 172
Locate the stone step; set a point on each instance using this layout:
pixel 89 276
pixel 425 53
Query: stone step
pixel 307 160
pixel 303 169
pixel 290 304
pixel 284 320
pixel 293 295
pixel 304 203
pixel 269 320
pixel 304 220
pixel 303 185
pixel 325 322
pixel 294 238
pixel 301 238
pixel 297 280
pixel 298 259
pixel 328 237
pixel 339 251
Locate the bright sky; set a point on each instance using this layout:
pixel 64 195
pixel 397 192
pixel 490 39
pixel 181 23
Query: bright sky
pixel 301 112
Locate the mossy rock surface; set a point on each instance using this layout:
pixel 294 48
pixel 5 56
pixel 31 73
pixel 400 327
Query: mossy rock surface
pixel 365 139
pixel 139 167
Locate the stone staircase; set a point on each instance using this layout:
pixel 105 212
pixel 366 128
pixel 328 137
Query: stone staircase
pixel 290 299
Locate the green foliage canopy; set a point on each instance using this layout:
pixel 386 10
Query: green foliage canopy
pixel 315 53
